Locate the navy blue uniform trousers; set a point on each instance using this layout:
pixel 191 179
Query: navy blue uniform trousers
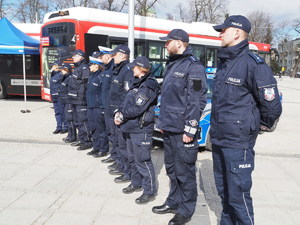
pixel 97 127
pixel 141 166
pixel 232 172
pixel 180 159
pixel 59 115
pixel 72 120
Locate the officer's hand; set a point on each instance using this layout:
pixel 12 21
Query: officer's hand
pixel 264 128
pixel 117 122
pixel 186 139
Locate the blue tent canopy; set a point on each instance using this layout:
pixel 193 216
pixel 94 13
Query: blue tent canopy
pixel 14 41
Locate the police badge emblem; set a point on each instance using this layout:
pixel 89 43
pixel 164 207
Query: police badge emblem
pixel 269 94
pixel 140 100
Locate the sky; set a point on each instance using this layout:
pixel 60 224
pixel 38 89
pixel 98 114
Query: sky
pixel 277 9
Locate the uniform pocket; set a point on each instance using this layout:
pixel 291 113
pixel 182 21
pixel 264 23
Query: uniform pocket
pixel 230 125
pixel 242 171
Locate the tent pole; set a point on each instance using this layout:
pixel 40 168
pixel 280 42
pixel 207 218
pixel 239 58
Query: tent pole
pixel 24 81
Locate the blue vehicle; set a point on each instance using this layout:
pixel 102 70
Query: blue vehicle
pixel 204 124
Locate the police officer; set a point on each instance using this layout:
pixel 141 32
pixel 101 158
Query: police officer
pixel 118 90
pixel 183 99
pixel 96 98
pixel 66 71
pixel 136 116
pixel 55 81
pixel 77 97
pixel 245 99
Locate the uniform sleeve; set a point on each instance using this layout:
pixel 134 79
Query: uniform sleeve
pixel 196 99
pixel 139 101
pixel 85 73
pixel 266 95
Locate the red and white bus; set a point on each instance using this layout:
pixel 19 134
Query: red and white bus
pixel 85 28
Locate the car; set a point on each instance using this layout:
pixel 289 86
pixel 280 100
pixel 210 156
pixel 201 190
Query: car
pixel 297 75
pixel 204 123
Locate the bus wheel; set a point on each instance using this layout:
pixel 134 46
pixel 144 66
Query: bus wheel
pixel 2 90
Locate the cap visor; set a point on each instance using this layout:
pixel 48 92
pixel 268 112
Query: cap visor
pixel 219 28
pixel 131 65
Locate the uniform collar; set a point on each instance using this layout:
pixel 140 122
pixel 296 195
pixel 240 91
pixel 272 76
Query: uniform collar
pixel 233 51
pixel 187 52
pixel 79 63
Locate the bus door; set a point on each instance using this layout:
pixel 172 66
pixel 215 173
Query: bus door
pixel 92 41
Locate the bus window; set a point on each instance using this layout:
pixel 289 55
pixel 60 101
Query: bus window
pixel 155 50
pixel 211 54
pixel 158 68
pixel 199 53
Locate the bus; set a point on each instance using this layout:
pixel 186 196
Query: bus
pixel 11 69
pixel 86 28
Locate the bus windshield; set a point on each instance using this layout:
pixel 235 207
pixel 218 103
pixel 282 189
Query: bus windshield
pixel 61 41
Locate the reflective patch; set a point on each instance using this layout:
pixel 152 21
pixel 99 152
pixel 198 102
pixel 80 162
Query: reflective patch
pixel 140 100
pixel 189 145
pixel 193 123
pixel 145 143
pixel 269 94
pixel 197 85
pixel 126 85
pixel 95 84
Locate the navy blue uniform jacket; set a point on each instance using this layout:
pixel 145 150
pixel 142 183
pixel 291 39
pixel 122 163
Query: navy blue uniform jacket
pixel 138 106
pixel 55 82
pixel 245 96
pixel 78 83
pixel 119 86
pixel 183 96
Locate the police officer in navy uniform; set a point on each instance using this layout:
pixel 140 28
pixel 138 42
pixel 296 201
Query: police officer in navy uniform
pixel 183 98
pixel 136 116
pixel 122 76
pixel 245 99
pixel 55 82
pixel 66 71
pixel 96 98
pixel 77 97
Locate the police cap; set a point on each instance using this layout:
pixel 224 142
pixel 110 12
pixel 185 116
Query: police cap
pixel 236 21
pixel 141 61
pixel 177 34
pixel 121 48
pixel 79 52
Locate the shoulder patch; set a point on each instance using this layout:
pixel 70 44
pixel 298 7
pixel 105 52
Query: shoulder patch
pixel 257 59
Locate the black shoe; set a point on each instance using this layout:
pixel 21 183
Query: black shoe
pixel 115 172
pixel 108 160
pixel 163 209
pixel 63 131
pixel 121 179
pixel 67 140
pixel 84 146
pixel 92 152
pixel 178 220
pixel 113 166
pixel 76 143
pixel 130 189
pixel 100 154
pixel 144 199
pixel 56 131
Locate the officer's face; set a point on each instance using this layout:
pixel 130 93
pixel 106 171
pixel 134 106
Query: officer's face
pixel 172 47
pixel 77 58
pixel 228 36
pixel 138 72
pixel 94 67
pixel 119 57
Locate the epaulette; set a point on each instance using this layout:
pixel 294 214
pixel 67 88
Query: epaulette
pixel 152 83
pixel 257 59
pixel 193 58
